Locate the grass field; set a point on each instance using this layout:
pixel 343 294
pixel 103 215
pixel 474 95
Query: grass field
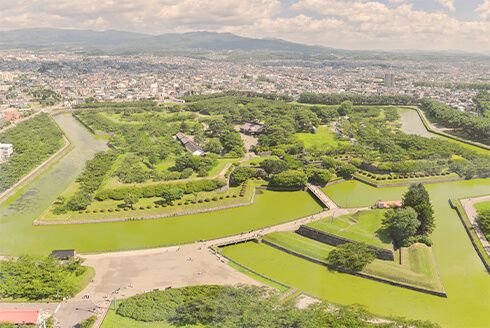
pixel 417 268
pixel 323 139
pixel 483 206
pixel 364 226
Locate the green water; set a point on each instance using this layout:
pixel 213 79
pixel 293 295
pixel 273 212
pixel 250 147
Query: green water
pixel 18 235
pixel 412 124
pixel 463 275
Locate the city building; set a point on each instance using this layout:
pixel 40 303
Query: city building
pixel 11 114
pixel 21 317
pixel 6 150
pixel 388 204
pixel 389 80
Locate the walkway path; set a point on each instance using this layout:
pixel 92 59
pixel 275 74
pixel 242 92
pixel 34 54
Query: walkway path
pixel 469 207
pixel 318 192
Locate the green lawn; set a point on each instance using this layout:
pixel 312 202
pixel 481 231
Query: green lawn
pixel 483 206
pixel 417 268
pixel 323 139
pixel 364 226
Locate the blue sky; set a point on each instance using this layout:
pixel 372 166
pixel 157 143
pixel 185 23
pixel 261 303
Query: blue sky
pixel 351 24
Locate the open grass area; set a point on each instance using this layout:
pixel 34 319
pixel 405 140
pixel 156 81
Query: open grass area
pixel 482 206
pixel 364 226
pixel 417 267
pixel 323 139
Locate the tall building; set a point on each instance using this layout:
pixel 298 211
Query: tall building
pixel 389 80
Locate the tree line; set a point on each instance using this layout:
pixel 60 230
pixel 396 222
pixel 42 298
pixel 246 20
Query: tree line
pixel 470 125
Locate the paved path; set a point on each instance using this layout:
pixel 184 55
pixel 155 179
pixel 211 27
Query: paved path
pixel 469 207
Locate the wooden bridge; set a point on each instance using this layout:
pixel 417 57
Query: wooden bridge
pixel 320 195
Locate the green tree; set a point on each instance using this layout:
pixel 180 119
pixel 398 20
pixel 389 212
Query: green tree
pixel 483 220
pixel 351 256
pixel 346 170
pixel 289 179
pixel 417 198
pixel 130 200
pixel 274 166
pixel 401 224
pixel 240 175
pixel 214 146
pixel 319 176
pixel 345 108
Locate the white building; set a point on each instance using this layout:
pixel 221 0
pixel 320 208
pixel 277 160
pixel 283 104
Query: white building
pixel 6 150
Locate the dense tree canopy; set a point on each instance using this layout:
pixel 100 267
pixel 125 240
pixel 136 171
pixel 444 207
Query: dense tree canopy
pixel 39 278
pixel 245 306
pixel 34 141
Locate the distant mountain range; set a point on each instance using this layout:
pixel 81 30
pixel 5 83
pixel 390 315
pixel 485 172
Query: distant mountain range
pixel 119 42
pixel 44 38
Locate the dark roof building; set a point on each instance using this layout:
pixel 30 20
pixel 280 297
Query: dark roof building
pixel 191 146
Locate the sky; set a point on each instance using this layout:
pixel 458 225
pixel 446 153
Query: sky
pixel 349 24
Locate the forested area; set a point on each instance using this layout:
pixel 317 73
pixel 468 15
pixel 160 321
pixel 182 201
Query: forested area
pixel 454 85
pixel 34 141
pixel 482 101
pixel 246 306
pixel 356 99
pixel 469 125
pixel 31 278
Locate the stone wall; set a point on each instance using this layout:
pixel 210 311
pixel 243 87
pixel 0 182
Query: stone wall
pixel 327 238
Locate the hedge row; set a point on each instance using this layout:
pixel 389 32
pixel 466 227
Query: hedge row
pixel 396 177
pixel 160 190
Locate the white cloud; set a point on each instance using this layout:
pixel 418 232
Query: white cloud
pixel 449 4
pixel 483 10
pixel 376 25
